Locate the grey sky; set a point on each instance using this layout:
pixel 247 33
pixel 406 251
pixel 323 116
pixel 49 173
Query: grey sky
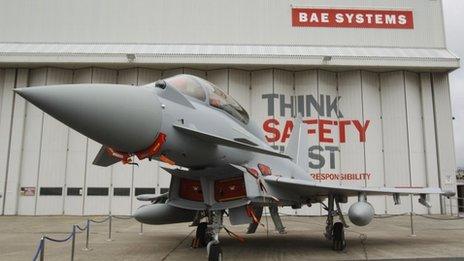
pixel 453 10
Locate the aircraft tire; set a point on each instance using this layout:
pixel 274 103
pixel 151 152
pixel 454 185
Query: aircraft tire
pixel 338 237
pixel 201 234
pixel 215 253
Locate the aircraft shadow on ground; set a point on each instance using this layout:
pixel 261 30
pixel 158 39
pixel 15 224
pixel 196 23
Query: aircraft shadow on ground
pixel 304 242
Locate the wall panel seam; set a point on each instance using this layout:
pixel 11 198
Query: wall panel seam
pixel 379 76
pixel 408 137
pixel 8 155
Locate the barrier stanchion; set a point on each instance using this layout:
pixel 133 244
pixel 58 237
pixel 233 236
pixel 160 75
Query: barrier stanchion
pixel 39 250
pixel 73 242
pixel 412 224
pixel 42 248
pixel 87 236
pixel 451 206
pixel 141 229
pixel 109 228
pixel 40 253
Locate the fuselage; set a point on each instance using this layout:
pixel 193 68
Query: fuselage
pixel 144 122
pixel 197 154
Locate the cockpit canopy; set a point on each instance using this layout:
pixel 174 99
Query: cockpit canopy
pixel 207 92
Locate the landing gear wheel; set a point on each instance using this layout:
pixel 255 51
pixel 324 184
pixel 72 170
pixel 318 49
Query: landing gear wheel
pixel 215 253
pixel 338 237
pixel 201 234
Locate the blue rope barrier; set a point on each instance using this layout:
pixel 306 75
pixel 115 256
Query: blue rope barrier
pixel 40 248
pixel 41 245
pixel 123 217
pixel 100 221
pixel 440 218
pixel 80 228
pixel 60 240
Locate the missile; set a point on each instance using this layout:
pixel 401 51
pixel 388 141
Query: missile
pixel 158 214
pixel 122 117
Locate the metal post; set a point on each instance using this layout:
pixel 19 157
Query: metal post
pixel 412 225
pixel 443 205
pixel 267 223
pixel 87 236
pixel 329 221
pixel 276 219
pixel 109 228
pixel 451 206
pixel 411 213
pixel 141 229
pixel 73 242
pixel 42 246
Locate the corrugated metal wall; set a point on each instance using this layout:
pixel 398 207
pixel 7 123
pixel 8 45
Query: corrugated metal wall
pixel 209 21
pixel 409 139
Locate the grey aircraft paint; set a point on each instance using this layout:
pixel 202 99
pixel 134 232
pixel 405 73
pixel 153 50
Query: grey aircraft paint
pixel 208 138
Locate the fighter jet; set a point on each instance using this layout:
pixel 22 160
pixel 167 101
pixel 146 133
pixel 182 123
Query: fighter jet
pixel 218 158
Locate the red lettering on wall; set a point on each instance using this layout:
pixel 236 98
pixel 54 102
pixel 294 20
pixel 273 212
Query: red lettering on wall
pixel 354 18
pixel 341 130
pixel 361 129
pixel 269 128
pixel 323 131
pixel 287 130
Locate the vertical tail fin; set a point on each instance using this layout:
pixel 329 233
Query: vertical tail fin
pixel 293 148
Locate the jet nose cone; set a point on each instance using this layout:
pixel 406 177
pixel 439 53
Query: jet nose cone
pixel 19 90
pixel 123 117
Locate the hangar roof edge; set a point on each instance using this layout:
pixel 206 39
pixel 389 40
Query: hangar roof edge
pixel 298 56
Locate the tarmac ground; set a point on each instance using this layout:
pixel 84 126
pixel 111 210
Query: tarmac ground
pixel 387 238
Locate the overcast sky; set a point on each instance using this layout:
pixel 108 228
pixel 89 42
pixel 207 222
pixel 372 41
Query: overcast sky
pixel 454 10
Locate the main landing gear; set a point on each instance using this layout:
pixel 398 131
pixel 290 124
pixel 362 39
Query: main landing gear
pixel 207 235
pixel 335 231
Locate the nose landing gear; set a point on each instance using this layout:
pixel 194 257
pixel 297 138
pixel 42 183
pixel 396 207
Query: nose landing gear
pixel 201 239
pixel 335 232
pixel 215 253
pixel 338 237
pixel 207 235
pixel 213 248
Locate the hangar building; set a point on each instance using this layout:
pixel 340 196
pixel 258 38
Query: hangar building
pixel 369 77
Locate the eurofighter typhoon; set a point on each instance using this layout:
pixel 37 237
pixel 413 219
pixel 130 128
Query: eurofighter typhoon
pixel 220 161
